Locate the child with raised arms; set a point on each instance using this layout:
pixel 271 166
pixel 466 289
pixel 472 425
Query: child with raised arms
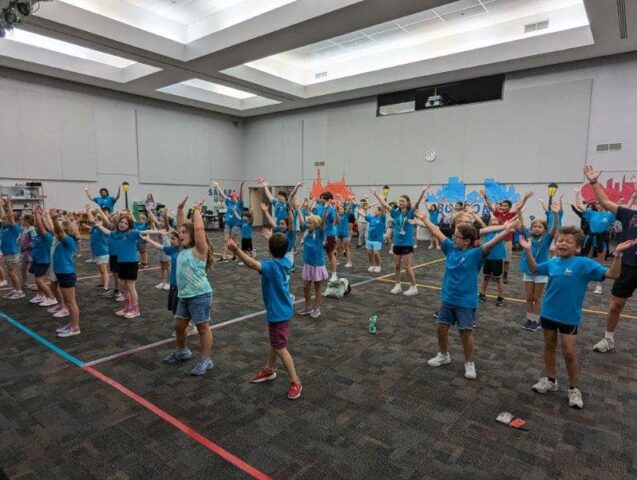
pixel 314 271
pixel 99 249
pixel 10 248
pixel 195 259
pixel 275 287
pixel 232 219
pixel 165 260
pixel 27 236
pixel 459 295
pixel 375 231
pixel 561 309
pixel 343 210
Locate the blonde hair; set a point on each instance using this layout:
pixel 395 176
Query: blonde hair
pixel 541 221
pixel 315 219
pixel 70 229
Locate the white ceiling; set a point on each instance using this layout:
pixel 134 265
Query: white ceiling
pixel 251 57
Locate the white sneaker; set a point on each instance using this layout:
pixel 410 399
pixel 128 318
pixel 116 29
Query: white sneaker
pixel 48 302
pixel 470 370
pixel 166 286
pixel 371 269
pixel 598 290
pixel 8 294
pixel 377 269
pixel 62 328
pixel 17 295
pixel 575 398
pixel 333 278
pixel 61 313
pixel 397 289
pixel 348 265
pixel 545 385
pixel 4 283
pixel 411 291
pixel 119 297
pixel 55 309
pixel 37 299
pixel 69 333
pixel 159 286
pixel 604 345
pixel 439 359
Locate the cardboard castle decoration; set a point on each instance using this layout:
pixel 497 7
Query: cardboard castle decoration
pixel 620 195
pixel 339 189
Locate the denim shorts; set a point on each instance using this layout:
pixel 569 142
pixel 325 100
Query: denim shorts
pixel 196 308
pixel 373 246
pixel 234 231
pixel 101 259
pixel 462 317
pixel 530 277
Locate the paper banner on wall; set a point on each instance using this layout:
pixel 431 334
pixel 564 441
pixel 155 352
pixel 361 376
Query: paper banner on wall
pixel 454 191
pixel 616 192
pixel 339 189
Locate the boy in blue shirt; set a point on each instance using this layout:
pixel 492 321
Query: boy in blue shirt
pixel 11 231
pixel 459 292
pixel 275 286
pixel 493 264
pixel 561 308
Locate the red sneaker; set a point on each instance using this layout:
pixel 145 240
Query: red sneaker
pixel 264 375
pixel 294 391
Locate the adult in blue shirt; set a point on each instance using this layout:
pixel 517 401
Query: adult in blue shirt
pixel 280 204
pixel 234 214
pixel 105 201
pixel 596 243
pixel 623 287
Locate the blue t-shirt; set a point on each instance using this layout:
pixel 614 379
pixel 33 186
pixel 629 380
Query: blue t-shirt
pixel 599 222
pixel 433 216
pixel 275 286
pixel 99 242
pixel 173 253
pixel 246 228
pixel 549 219
pixel 41 248
pixel 10 235
pixel 105 202
pixel 460 283
pixel 126 245
pixel 403 230
pixel 63 255
pixel 280 210
pixel 498 252
pixel 342 230
pixel 539 248
pixel 232 207
pixel 376 229
pixel 568 279
pixel 329 228
pixel 313 248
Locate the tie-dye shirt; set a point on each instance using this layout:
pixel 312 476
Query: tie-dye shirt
pixel 191 275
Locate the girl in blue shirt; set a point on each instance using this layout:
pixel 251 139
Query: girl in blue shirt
pixel 41 255
pixel 314 270
pixel 10 248
pixel 375 233
pixel 596 244
pixel 343 210
pixel 64 269
pixel 232 219
pixel 99 249
pixel 142 224
pixel 403 239
pixel 459 293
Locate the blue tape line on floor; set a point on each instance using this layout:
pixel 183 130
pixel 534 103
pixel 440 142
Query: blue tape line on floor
pixel 62 353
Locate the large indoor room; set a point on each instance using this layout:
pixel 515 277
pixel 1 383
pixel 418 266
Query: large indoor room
pixel 318 239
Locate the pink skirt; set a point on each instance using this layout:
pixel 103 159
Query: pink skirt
pixel 313 273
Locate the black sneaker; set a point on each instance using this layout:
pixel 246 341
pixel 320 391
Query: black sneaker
pixel 499 302
pixel 482 298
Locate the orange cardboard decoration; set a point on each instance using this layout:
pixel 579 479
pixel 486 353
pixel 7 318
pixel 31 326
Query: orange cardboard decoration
pixel 340 189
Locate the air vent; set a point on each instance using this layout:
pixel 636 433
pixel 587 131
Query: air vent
pixel 319 164
pixel 621 17
pixel 532 27
pixel 320 75
pixel 613 147
pixel 602 147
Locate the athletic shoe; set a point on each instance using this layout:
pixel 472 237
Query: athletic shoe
pixel 535 327
pixel 305 311
pixel 470 370
pixel 61 313
pixel 55 309
pixel 575 398
pixel 604 345
pixel 62 328
pixel 294 391
pixel 177 356
pixel 133 312
pixel 119 297
pixel 202 366
pixel 371 269
pixel 4 283
pixel 160 286
pixel 334 277
pixel 68 333
pixel 377 269
pixel 48 302
pixel 17 295
pixel 348 265
pixel 482 298
pixel 439 360
pixel 598 291
pixel 264 375
pixel 397 289
pixel 191 329
pixel 435 314
pixel 37 299
pixel 545 385
pixel 528 325
pixel 166 286
pixel 499 302
pixel 316 312
pixel 411 291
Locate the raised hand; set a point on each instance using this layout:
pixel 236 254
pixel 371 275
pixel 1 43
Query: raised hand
pixel 266 232
pixel 198 204
pixel 145 237
pixel 182 204
pixel 215 184
pixel 232 245
pixel 264 207
pixel 621 247
pixel 524 243
pixel 591 174
pixel 372 191
pixel 265 183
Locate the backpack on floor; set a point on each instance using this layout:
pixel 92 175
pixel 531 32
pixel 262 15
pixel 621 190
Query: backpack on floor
pixel 337 288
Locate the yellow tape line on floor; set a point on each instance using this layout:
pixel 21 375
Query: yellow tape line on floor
pixel 519 300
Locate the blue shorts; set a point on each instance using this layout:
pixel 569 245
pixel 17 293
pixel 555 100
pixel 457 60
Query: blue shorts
pixel 66 280
pixel 462 317
pixel 39 269
pixel 196 308
pixel 373 246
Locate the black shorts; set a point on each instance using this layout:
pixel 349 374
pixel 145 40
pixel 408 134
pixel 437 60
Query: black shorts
pixel 127 270
pixel 173 298
pixel 113 264
pixel 39 269
pixel 403 250
pixel 493 268
pixel 624 286
pixel 595 242
pixel 351 219
pixel 561 327
pixel 246 244
pixel 66 280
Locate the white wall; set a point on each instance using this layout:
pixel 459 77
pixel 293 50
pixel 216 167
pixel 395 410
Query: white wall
pixel 545 129
pixel 72 136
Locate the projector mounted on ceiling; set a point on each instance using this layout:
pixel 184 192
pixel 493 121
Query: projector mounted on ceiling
pixel 435 101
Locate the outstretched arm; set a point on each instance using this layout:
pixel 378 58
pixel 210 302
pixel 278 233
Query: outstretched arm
pixel 615 269
pixel 526 245
pixel 181 218
pixel 266 214
pixel 222 194
pixel 201 243
pixel 593 176
pixel 489 205
pixel 422 194
pixel 39 223
pixel 268 192
pixel 555 209
pixel 380 199
pixel 241 190
pixel 119 192
pixel 508 228
pixel 423 221
pixel 10 214
pixel 522 202
pixel 152 242
pixel 246 259
pixel 299 214
pixel 88 194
